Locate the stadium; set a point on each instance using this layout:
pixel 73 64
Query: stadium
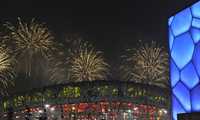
pixel 89 100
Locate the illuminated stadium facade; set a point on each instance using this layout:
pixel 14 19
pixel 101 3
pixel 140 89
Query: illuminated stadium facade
pixel 97 100
pixel 184 37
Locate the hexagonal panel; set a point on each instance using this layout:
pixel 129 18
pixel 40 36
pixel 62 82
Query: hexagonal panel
pixel 181 22
pixel 182 50
pixel 196 23
pixel 195 9
pixel 189 76
pixel 174 73
pixel 183 95
pixel 196 58
pixel 170 20
pixel 195 34
pixel 177 108
pixel 171 39
pixel 195 96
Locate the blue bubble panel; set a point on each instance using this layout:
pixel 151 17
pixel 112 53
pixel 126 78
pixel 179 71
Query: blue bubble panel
pixel 189 76
pixel 195 96
pixel 171 39
pixel 195 10
pixel 170 20
pixel 195 34
pixel 196 23
pixel 174 73
pixel 176 108
pixel 181 22
pixel 182 51
pixel 196 58
pixel 183 95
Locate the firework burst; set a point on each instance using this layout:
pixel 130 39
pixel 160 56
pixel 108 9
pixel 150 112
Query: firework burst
pixel 87 64
pixel 6 70
pixel 76 60
pixel 30 39
pixel 148 64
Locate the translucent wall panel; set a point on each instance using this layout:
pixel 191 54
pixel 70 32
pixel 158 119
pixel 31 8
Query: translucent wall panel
pixel 184 48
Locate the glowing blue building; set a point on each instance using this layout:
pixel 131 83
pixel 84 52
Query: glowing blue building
pixel 184 45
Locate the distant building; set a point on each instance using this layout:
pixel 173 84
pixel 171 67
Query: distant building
pixel 184 37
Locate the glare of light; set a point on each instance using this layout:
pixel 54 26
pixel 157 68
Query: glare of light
pixel 40 111
pixel 47 105
pixel 129 111
pixel 161 111
pixel 103 110
pixel 73 108
pixel 135 108
pixel 129 104
pixel 52 109
pixel 165 111
pixel 17 117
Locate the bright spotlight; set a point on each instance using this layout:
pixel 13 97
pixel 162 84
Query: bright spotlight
pixel 52 109
pixel 165 111
pixel 135 108
pixel 40 111
pixel 129 111
pixel 160 111
pixel 47 105
pixel 73 108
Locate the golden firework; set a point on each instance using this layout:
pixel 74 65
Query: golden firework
pixel 87 64
pixel 30 41
pixel 147 64
pixel 6 70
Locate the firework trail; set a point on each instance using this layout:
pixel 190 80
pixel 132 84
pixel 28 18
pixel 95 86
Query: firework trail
pixel 88 65
pixel 30 41
pixel 7 72
pixel 147 64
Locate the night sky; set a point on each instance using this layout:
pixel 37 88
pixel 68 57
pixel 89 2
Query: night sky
pixel 110 26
